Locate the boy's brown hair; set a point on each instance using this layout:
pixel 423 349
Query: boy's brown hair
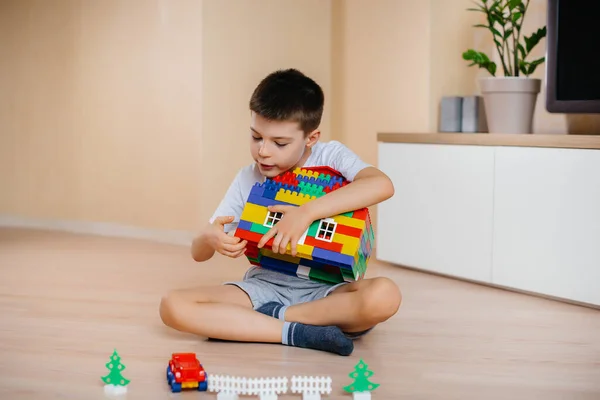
pixel 289 95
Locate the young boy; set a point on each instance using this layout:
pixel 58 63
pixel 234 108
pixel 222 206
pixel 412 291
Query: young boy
pixel 268 306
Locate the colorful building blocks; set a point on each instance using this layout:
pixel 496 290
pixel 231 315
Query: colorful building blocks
pixel 332 250
pixel 185 372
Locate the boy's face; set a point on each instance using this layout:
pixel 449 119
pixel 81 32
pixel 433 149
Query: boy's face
pixel 278 146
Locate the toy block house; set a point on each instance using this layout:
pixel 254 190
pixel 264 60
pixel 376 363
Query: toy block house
pixel 332 250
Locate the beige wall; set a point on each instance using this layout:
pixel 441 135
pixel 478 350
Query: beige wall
pixel 135 112
pixel 100 117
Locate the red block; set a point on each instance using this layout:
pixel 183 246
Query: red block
pixel 360 214
pixel 252 237
pixel 348 231
pixel 310 241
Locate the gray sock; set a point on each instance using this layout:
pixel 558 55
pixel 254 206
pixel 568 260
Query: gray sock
pixel 281 313
pixel 324 338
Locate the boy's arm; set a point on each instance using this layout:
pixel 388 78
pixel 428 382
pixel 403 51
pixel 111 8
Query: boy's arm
pixel 370 186
pixel 212 238
pixel 201 249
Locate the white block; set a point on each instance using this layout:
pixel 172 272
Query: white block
pixel 270 396
pixel 112 390
pixel 361 395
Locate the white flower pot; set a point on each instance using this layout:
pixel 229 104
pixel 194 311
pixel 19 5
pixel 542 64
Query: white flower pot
pixel 510 103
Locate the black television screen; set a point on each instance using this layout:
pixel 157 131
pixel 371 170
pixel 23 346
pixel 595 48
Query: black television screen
pixel 573 56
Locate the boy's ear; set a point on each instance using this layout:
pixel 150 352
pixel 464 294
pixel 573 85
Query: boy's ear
pixel 313 137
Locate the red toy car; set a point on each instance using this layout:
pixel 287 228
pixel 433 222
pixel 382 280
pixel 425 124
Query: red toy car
pixel 185 372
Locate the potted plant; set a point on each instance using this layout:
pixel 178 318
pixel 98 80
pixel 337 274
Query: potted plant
pixel 509 100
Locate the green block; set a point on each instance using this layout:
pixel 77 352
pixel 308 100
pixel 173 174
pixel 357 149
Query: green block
pixel 319 275
pixel 325 177
pixel 312 230
pixel 256 228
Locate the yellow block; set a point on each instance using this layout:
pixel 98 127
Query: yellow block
pixel 254 213
pixel 303 172
pixel 189 385
pixel 294 198
pixel 350 243
pixel 353 222
pixel 302 250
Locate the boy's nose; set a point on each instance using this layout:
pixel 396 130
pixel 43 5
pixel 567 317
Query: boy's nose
pixel 262 151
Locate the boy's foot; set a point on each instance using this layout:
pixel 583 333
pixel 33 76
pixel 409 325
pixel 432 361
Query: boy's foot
pixel 273 309
pixel 324 338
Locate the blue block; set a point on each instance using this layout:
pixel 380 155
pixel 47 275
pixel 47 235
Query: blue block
pixel 270 192
pixel 333 263
pixel 257 190
pixel 245 225
pixel 279 265
pixel 312 263
pixel 261 201
pixel 332 255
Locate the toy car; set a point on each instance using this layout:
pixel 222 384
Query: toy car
pixel 185 372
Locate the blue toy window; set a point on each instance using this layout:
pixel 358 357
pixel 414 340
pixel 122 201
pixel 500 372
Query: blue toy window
pixel 272 218
pixel 326 230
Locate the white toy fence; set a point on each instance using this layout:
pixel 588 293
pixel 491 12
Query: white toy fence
pixel 311 387
pixel 229 387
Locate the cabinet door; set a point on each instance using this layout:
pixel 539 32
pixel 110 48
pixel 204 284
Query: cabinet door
pixel 547 222
pixel 440 218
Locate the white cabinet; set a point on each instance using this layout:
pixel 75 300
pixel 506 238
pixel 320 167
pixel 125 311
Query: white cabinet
pixel 440 218
pixel 547 222
pixel 520 217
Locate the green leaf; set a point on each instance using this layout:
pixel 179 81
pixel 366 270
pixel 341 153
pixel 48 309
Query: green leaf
pixel 534 39
pixel 523 67
pixel 496 32
pixel 508 33
pixel 512 4
pixel 528 68
pixel 533 65
pixel 480 59
pixel 515 17
pixel 522 51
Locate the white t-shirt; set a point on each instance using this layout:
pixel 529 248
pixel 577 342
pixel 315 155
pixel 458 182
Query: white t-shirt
pixel 331 154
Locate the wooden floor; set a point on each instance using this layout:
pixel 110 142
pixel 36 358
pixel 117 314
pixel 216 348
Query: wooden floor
pixel 67 301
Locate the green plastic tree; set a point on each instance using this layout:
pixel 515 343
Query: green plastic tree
pixel 115 367
pixel 361 375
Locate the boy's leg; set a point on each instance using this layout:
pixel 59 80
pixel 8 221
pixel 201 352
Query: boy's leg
pixel 353 307
pixel 209 311
pixel 225 312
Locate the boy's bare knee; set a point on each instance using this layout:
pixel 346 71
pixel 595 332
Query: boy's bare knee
pixel 168 309
pixel 381 299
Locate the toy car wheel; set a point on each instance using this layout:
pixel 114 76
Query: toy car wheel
pixel 203 386
pixel 175 387
pixel 169 375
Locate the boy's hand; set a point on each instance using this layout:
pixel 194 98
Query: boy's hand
pixel 289 229
pixel 221 242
